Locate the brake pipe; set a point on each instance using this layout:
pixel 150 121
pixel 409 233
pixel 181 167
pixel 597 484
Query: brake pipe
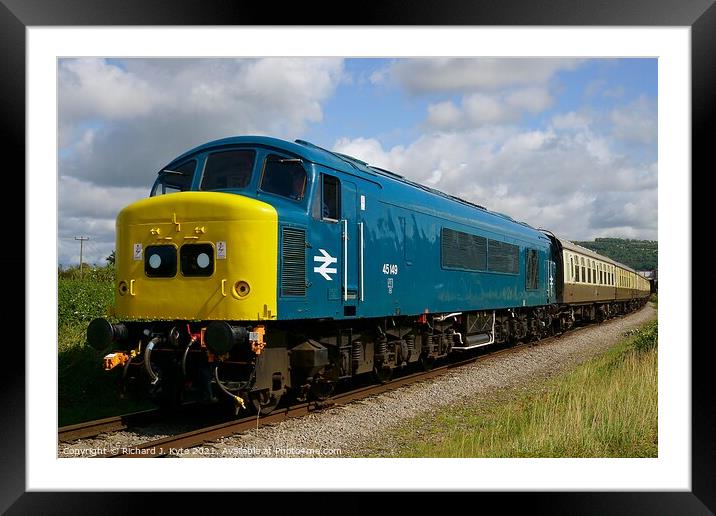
pixel 147 360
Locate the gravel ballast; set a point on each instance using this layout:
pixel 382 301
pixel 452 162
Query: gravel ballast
pixel 351 430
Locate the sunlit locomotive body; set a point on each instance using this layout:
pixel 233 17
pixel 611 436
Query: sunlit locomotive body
pixel 259 267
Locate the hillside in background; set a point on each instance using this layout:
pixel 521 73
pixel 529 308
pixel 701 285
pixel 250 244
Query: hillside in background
pixel 642 255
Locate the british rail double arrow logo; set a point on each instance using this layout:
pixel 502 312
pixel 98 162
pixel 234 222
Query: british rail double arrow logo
pixel 326 260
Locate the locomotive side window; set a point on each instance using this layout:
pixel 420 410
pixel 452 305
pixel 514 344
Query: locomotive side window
pixel 178 179
pixel 284 176
pixel 330 198
pixel 531 269
pixel 228 169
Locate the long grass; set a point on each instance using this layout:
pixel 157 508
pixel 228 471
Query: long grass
pixel 84 390
pixel 606 407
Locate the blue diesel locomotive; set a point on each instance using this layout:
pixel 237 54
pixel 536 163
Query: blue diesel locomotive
pixel 277 267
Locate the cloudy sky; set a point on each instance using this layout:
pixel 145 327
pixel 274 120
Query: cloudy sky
pixel 569 145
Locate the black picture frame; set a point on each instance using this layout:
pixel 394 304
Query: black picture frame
pixel 17 15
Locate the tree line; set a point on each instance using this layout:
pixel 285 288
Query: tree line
pixel 641 255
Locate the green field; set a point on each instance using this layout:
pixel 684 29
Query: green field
pixel 606 407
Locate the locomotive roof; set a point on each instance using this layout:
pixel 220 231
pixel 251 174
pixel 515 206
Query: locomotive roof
pixel 349 165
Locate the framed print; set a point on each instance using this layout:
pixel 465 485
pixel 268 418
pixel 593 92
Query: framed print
pixel 38 38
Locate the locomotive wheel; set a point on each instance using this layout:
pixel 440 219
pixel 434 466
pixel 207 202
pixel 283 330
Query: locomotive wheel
pixel 427 362
pixel 263 401
pixel 322 389
pixel 382 373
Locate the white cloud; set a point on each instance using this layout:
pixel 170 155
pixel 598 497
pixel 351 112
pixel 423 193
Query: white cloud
pixel 86 209
pixel 94 88
pixel 534 100
pixel 567 180
pixel 571 120
pixel 636 122
pixel 458 74
pixel 444 115
pixel 79 198
pixel 479 108
pixel 146 112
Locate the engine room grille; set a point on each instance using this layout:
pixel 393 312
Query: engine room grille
pixel 293 257
pixel 463 251
pixel 503 257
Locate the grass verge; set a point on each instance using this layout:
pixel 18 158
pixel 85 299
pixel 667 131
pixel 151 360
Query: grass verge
pixel 84 390
pixel 606 407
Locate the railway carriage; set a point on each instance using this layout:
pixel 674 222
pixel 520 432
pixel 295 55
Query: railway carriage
pixel 259 267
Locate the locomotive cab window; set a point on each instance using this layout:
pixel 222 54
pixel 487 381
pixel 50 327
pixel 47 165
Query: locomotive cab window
pixel 176 179
pixel 330 198
pixel 285 177
pixel 228 169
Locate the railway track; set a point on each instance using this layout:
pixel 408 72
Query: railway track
pixel 88 429
pixel 171 445
pixel 185 414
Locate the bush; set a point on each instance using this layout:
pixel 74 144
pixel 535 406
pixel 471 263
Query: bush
pixel 81 300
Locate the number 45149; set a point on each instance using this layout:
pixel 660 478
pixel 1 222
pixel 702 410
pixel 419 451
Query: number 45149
pixel 390 269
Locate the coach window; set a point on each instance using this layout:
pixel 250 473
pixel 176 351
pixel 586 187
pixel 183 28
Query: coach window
pixel 330 198
pixel 228 169
pixel 601 274
pixel 589 272
pixel 571 268
pixel 583 279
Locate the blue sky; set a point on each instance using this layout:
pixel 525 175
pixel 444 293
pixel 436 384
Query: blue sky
pixel 565 144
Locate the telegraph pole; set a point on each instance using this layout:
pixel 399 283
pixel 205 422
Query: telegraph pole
pixel 82 241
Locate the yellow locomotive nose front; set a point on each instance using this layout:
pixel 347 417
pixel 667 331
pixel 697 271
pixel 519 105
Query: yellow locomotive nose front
pixel 197 256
